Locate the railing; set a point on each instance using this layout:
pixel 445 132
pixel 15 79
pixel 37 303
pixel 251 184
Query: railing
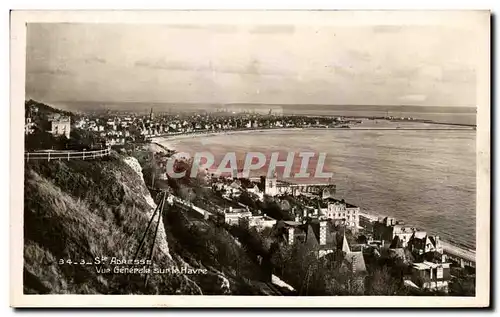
pixel 66 155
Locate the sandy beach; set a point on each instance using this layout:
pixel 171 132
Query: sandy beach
pixel 164 140
pixel 366 124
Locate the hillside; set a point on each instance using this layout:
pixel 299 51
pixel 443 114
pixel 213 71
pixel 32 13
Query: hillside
pixel 40 112
pixel 41 138
pixel 80 210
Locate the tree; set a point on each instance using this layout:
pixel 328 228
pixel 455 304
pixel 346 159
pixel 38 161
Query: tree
pixel 247 200
pixel 382 283
pixel 83 139
pixel 285 205
pixel 463 285
pixel 42 140
pixel 187 193
pixel 362 239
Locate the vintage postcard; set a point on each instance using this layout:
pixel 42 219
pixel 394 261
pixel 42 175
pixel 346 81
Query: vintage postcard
pixel 250 159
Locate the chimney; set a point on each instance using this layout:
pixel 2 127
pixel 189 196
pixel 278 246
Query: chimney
pixel 230 209
pixel 291 235
pixel 323 231
pixel 443 258
pixel 439 246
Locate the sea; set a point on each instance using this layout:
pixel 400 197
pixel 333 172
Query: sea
pixel 413 172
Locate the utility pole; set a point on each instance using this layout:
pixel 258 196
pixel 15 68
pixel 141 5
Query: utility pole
pixel 153 171
pixel 160 211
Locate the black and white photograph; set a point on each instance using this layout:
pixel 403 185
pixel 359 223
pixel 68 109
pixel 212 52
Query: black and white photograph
pixel 293 155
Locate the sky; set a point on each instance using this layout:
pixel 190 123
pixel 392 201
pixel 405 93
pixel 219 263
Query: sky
pixel 260 63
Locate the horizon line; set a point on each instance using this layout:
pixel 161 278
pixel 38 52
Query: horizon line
pixel 248 103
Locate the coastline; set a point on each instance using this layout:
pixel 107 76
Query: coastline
pixel 422 124
pixel 190 135
pixel 448 247
pixel 158 142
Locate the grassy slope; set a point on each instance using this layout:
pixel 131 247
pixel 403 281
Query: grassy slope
pixel 80 210
pixel 84 209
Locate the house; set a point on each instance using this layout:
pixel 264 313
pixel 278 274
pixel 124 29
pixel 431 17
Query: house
pixel 292 232
pixel 354 262
pixel 261 222
pixel 257 192
pixel 252 188
pixel 316 234
pixel 234 188
pixel 422 243
pixel 342 213
pixel 388 229
pixel 430 275
pixel 351 264
pixel 60 125
pixel 270 186
pixel 324 240
pixel 403 233
pixel 234 216
pixel 29 126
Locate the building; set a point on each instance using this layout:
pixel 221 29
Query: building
pixel 60 125
pixel 328 245
pixel 326 241
pixel 29 126
pixel 273 187
pixel 254 190
pixel 261 222
pixel 151 115
pixel 403 233
pixel 292 232
pixel 342 213
pixel 235 216
pixel 352 264
pixel 433 276
pixel 422 243
pixel 315 234
pixel 388 229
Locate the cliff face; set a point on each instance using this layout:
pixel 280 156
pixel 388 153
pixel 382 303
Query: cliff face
pixel 81 210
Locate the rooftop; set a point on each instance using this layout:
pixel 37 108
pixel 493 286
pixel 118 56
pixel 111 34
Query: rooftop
pixel 336 201
pixel 356 260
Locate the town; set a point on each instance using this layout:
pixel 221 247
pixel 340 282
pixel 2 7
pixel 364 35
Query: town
pixel 285 217
pixel 122 127
pixel 332 229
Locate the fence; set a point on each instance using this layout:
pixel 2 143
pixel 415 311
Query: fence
pixel 66 155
